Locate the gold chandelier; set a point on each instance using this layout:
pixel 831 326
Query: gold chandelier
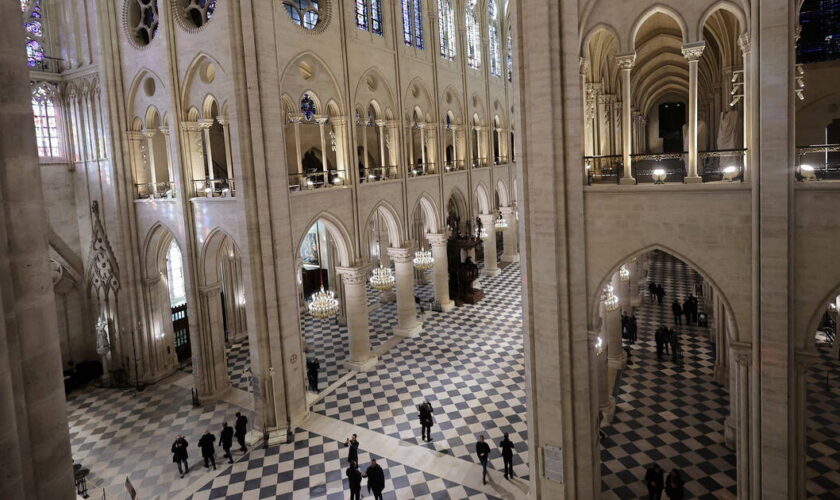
pixel 323 303
pixel 382 279
pixel 423 260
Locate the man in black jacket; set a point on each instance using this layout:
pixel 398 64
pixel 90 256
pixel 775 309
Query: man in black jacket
pixel 208 450
pixel 354 477
pixel 353 452
pixel 226 440
pixel 507 455
pixel 180 455
pixel 655 480
pixel 241 425
pixel 426 419
pixel 482 449
pixel 678 312
pixel 659 337
pixel 376 479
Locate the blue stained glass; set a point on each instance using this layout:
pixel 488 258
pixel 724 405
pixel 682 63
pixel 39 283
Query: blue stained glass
pixel 376 16
pixel 34 53
pixel 34 27
pixel 418 24
pixel 406 15
pixel 361 14
pixel 307 107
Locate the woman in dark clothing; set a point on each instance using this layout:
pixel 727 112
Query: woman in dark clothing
pixel 674 485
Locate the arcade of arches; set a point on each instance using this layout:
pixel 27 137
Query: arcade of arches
pixel 605 229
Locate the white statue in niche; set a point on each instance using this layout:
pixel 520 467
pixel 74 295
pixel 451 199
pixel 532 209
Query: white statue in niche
pixel 727 137
pixel 103 342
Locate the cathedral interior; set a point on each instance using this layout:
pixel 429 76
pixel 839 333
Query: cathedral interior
pixel 602 230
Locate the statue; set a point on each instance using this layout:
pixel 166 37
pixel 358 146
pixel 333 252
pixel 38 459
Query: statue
pixel 103 342
pixel 727 136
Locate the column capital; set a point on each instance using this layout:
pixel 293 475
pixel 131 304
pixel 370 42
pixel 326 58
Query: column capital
pixel 437 239
pixel 164 130
pixel 210 289
pixel 742 352
pixel 190 126
pixel 584 66
pixel 744 43
pixel 381 123
pixel 321 119
pixel 205 122
pixel 295 118
pixel 507 211
pixel 401 255
pixel 626 61
pixel 338 121
pixel 693 51
pixel 353 275
pixel 148 132
pixel 223 121
pixel 134 135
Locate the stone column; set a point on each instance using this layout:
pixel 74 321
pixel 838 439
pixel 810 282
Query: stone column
pixel 225 123
pixel 606 401
pixel 511 235
pixel 623 290
pixel 625 65
pixel 148 134
pixel 208 150
pixel 441 271
pixel 339 124
pixel 692 52
pixel 36 461
pixel 355 299
pixel 158 336
pixel 634 268
pixel 739 400
pixel 168 141
pixel 380 127
pixel 208 345
pixel 454 129
pixel 422 127
pixel 746 50
pixel 296 119
pixel 408 325
pixel 491 267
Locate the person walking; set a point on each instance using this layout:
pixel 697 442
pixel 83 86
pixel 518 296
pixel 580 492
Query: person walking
pixel 660 293
pixel 666 339
pixel 313 366
pixel 241 426
pixel 625 326
pixel 675 346
pixel 353 452
pixel 659 337
pixel 226 440
pixel 694 307
pixel 354 478
pixel 651 291
pixel 686 307
pixel 482 449
pixel 634 329
pixel 678 312
pixel 180 455
pixel 208 450
pixel 507 453
pixel 674 485
pixel 376 479
pixel 426 419
pixel 655 481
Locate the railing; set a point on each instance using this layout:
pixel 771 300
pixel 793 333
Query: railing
pixel 603 169
pixel 500 160
pixel 154 190
pixel 316 180
pixel 818 162
pixel 48 65
pixel 454 166
pixel 214 188
pixel 722 165
pixel 421 169
pixel 644 165
pixel 480 163
pixel 375 174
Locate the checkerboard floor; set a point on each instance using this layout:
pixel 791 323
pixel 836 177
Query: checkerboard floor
pixel 119 433
pixel 822 413
pixel 313 467
pixel 469 363
pixel 666 412
pixel 239 365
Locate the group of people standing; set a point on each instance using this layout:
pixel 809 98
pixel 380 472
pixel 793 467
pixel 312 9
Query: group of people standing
pixel 656 481
pixel 668 341
pixel 374 472
pixel 207 444
pixel 656 291
pixel 688 309
pixel 629 327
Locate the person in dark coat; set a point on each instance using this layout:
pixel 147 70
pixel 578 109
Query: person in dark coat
pixel 651 291
pixel 376 479
pixel 686 309
pixel 226 440
pixel 634 329
pixel 655 481
pixel 313 366
pixel 482 449
pixel 507 454
pixel 674 485
pixel 625 325
pixel 694 307
pixel 426 419
pixel 678 312
pixel 241 426
pixel 659 337
pixel 666 338
pixel 353 452
pixel 180 455
pixel 354 477
pixel 660 293
pixel 208 450
pixel 675 345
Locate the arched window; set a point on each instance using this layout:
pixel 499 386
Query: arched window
pixel 175 275
pixel 33 23
pixel 473 37
pixel 412 14
pixel 303 12
pixel 493 51
pixel 46 121
pixel 369 15
pixel 509 57
pixel 446 16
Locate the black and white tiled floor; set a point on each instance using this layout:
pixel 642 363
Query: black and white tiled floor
pixel 822 413
pixel 666 412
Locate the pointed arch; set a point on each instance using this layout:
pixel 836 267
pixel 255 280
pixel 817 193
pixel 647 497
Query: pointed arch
pixel 728 7
pixel 392 222
pixel 307 71
pixel 482 198
pixel 502 190
pixel 594 31
pixel 200 61
pixel 426 203
pixel 339 234
pixel 658 9
pixel 218 245
pixel 134 99
pixel 155 246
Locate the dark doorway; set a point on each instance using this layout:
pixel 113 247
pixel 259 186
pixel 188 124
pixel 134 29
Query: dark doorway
pixel 671 121
pixel 181 327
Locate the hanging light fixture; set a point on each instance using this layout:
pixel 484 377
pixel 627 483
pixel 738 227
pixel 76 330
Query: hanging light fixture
pixel 382 279
pixel 610 299
pixel 501 223
pixel 423 260
pixel 624 273
pixel 323 303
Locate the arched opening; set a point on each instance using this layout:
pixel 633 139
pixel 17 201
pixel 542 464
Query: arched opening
pixel 156 154
pixel 457 215
pixel 664 362
pixel 216 153
pixel 497 152
pixel 177 291
pixel 822 407
pixel 368 146
pixel 475 144
pixel 312 144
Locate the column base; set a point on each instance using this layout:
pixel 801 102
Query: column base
pixel 627 181
pixel 510 258
pixel 618 363
pixel 216 395
pixel 158 376
pixel 722 376
pixel 609 410
pixel 729 433
pixel 693 180
pixel 409 331
pixel 239 337
pixel 277 436
pixel 363 366
pixel 491 272
pixel 447 306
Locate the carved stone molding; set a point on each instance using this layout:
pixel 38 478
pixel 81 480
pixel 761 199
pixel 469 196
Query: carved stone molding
pixel 693 51
pixel 626 61
pixel 102 268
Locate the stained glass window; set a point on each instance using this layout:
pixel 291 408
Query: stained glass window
pixel 46 121
pixel 33 24
pixel 303 12
pixel 175 275
pixel 509 58
pixel 493 49
pixel 361 14
pixel 307 107
pixel 473 38
pixel 820 38
pixel 446 18
pixel 412 17
pixel 369 15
